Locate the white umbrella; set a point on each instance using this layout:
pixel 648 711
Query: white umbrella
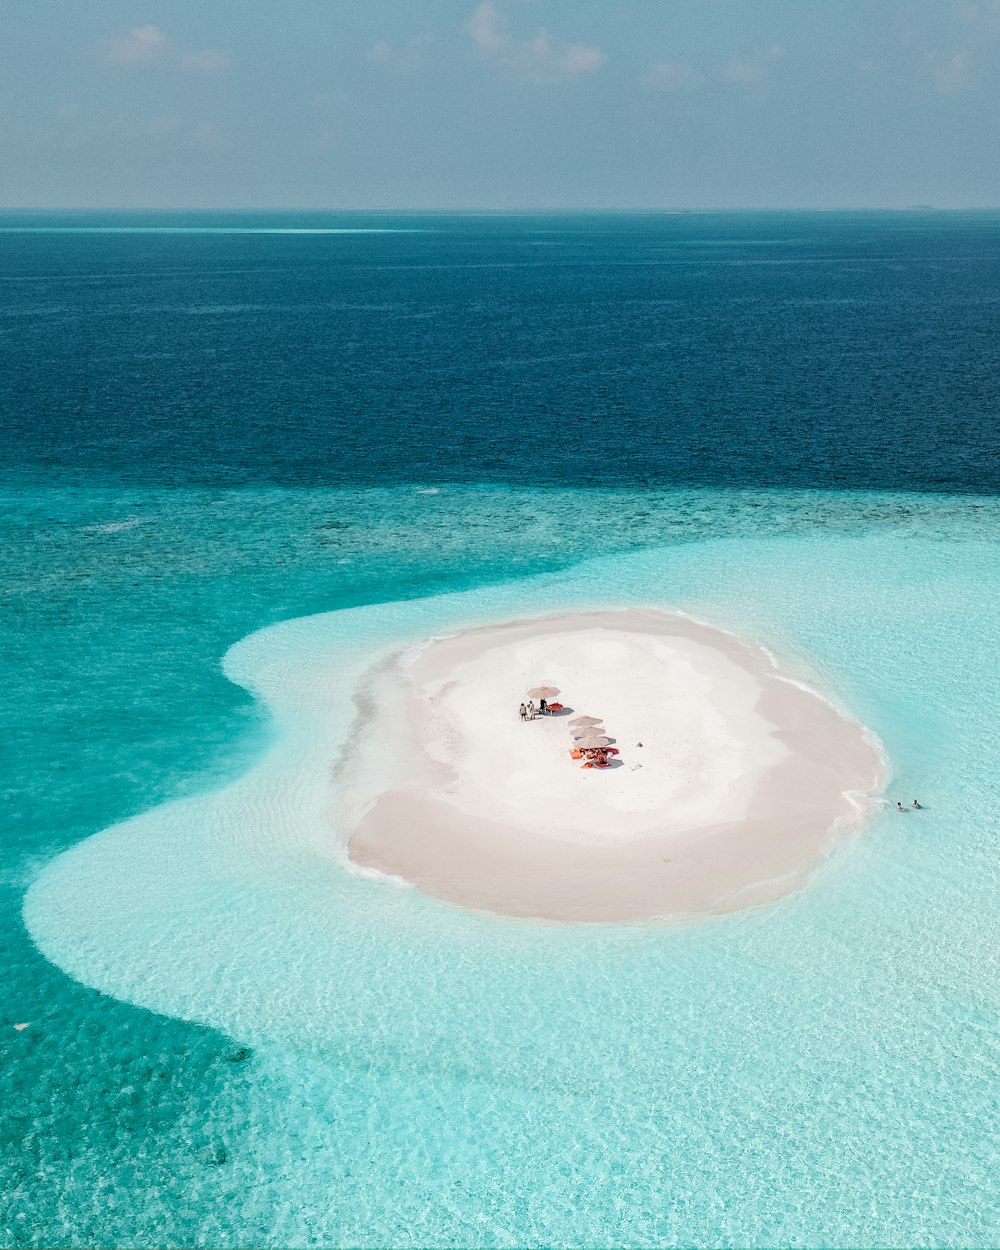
pixel 543 692
pixel 584 722
pixel 593 742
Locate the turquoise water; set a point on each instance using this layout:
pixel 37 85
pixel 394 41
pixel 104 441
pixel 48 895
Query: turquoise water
pixel 364 1066
pixel 247 453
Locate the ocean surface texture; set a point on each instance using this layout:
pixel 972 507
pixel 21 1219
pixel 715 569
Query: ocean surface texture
pixel 246 456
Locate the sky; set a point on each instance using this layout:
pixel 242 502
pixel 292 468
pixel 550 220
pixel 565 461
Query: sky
pixel 504 104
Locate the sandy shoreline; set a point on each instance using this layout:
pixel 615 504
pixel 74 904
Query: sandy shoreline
pixel 743 781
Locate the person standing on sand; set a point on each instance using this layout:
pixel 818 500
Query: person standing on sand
pixel 531 709
pixel 523 711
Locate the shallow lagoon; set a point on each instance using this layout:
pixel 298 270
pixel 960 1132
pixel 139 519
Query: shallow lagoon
pixel 814 1072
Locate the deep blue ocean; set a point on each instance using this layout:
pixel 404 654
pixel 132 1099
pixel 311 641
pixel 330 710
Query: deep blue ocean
pixel 218 424
pixel 831 350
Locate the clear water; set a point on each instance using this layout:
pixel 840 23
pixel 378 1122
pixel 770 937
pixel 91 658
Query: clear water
pixel 234 1042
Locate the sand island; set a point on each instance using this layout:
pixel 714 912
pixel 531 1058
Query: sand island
pixel 744 778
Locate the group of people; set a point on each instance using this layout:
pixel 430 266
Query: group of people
pixel 917 805
pixel 593 757
pixel 598 756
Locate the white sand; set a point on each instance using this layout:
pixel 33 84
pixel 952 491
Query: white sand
pixel 743 780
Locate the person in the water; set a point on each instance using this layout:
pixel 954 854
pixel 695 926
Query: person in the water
pixel 899 806
pixel 917 805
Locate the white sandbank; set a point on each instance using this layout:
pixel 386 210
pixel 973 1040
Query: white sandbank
pixel 744 779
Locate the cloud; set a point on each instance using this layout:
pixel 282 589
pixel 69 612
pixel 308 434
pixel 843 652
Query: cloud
pixel 145 44
pixel 208 60
pixel 540 59
pixel 575 58
pixel 380 52
pixel 950 72
pixel 752 71
pixel 674 76
pixel 487 28
pixel 141 45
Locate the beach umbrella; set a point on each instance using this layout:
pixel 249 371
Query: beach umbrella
pixel 594 741
pixel 584 722
pixel 543 692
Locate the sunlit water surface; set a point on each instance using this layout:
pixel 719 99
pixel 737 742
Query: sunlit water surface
pixel 390 1070
pixel 232 485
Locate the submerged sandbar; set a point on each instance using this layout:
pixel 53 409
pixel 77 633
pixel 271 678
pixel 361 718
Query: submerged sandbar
pixel 743 780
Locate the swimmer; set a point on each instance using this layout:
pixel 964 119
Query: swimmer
pixel 917 806
pixel 900 807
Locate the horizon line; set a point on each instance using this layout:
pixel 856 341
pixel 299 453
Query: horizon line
pixel 509 210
